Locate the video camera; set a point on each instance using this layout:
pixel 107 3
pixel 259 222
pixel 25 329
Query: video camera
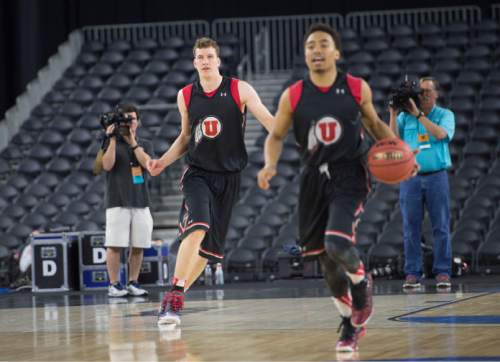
pixel 400 96
pixel 120 119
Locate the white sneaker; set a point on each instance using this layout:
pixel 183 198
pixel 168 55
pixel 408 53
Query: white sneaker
pixel 169 332
pixel 169 318
pixel 135 290
pixel 117 290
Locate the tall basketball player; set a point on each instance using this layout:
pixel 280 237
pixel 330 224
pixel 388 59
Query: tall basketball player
pixel 213 112
pixel 328 109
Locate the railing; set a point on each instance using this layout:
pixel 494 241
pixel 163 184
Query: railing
pixel 245 68
pixel 413 17
pixel 160 31
pixel 495 11
pixel 41 85
pixel 262 57
pixel 267 43
pixel 285 34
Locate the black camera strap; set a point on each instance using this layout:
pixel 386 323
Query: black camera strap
pixel 134 162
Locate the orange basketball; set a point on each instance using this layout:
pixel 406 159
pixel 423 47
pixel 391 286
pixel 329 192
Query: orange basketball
pixel 391 160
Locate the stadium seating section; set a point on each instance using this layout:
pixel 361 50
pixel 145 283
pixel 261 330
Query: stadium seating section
pixel 46 179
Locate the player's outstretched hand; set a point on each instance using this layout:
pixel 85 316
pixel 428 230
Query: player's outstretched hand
pixel 264 176
pixel 155 167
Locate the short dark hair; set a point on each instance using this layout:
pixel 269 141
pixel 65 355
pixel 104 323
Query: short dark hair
pixel 433 80
pixel 129 108
pixel 206 42
pixel 326 29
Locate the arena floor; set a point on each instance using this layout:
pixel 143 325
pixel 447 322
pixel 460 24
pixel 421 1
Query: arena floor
pixel 292 320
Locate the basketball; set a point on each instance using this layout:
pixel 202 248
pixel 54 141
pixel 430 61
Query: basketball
pixel 391 160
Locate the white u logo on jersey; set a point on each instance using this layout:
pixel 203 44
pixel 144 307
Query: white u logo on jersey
pixel 211 127
pixel 328 130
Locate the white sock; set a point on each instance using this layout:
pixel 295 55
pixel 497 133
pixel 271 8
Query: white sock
pixel 180 283
pixel 343 305
pixel 357 277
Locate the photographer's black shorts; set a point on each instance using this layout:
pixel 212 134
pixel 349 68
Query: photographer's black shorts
pixel 208 201
pixel 330 204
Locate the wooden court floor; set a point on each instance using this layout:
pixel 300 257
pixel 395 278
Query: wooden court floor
pixel 281 321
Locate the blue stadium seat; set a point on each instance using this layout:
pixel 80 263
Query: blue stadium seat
pixel 30 168
pixel 157 67
pixel 477 51
pixel 146 44
pixel 138 94
pixel 361 57
pixel 398 31
pixel 458 41
pixel 139 56
pixel 168 56
pixel 428 30
pixel 376 46
pixel 19 181
pixel 131 69
pixel 122 46
pixel 89 122
pixel 38 190
pixel 65 84
pixel 148 80
pixel 110 95
pixel 457 28
pixel 93 46
pixel 33 124
pixel 35 220
pixel 167 92
pixel 62 124
pixel 119 80
pixel 16 212
pixel 390 56
pixel 419 68
pixel 102 70
pixel 360 70
pixel 10 241
pixel 433 43
pixel 27 201
pixel 91 82
pixel 6 222
pixel 78 207
pixel 68 219
pixel 86 60
pixel 87 225
pixel 404 44
pixel 173 43
pixel 60 166
pixel 48 209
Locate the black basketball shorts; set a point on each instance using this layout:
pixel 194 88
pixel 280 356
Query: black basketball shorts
pixel 208 201
pixel 331 200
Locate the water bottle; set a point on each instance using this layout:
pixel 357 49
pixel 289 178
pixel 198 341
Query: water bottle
pixel 208 275
pixel 219 274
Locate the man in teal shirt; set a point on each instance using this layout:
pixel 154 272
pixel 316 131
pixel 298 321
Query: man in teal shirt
pixel 428 130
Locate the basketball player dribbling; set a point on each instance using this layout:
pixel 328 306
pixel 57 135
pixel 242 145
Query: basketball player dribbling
pixel 328 110
pixel 213 111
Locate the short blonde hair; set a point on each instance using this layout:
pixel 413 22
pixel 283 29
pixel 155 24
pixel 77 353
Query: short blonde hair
pixel 205 42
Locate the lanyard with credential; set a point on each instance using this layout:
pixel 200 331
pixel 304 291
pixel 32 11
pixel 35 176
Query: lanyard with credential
pixel 136 169
pixel 423 141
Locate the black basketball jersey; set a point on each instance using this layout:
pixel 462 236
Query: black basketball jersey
pixel 217 127
pixel 327 122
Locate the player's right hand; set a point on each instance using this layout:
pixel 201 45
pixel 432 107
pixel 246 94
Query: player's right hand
pixel 264 176
pixel 155 167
